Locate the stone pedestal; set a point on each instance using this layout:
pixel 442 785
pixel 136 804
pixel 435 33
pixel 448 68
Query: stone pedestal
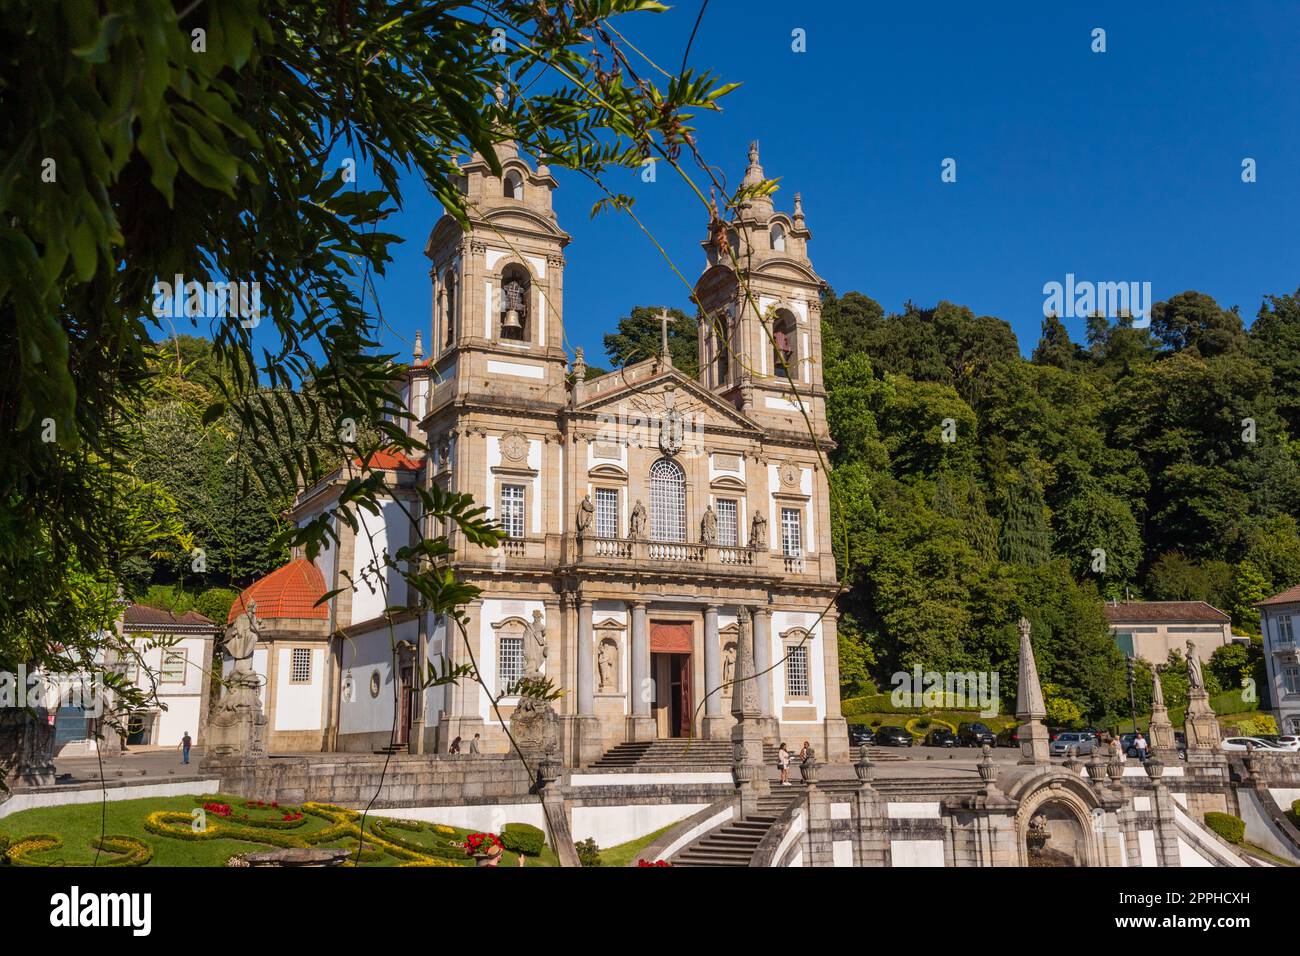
pixel 1201 726
pixel 26 749
pixel 236 732
pixel 641 727
pixel 1034 741
pixel 536 729
pixel 589 746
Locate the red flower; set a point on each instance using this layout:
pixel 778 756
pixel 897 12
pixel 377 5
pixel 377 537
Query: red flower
pixel 655 863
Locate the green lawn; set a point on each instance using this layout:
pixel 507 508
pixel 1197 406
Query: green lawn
pixel 80 825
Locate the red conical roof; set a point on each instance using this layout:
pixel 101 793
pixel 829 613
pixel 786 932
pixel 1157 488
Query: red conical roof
pixel 290 591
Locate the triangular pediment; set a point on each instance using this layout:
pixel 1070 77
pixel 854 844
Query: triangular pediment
pixel 640 389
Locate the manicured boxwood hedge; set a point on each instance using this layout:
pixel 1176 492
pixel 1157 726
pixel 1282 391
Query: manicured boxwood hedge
pixel 1232 829
pixel 523 838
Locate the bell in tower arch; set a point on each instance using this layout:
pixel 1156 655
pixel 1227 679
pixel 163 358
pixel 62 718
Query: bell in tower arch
pixel 514 308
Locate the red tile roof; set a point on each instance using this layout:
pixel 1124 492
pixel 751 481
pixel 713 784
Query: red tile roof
pixel 1165 612
pixel 290 591
pixel 392 461
pixel 142 615
pixel 1288 596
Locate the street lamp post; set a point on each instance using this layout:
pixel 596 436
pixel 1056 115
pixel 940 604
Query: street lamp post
pixel 1132 704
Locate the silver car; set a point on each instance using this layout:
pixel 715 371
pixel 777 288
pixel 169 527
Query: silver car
pixel 1084 743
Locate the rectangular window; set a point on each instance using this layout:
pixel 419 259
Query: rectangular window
pixel 300 666
pixel 606 512
pixel 512 510
pixel 1285 631
pixel 727 523
pixel 791 533
pixel 512 660
pixel 173 667
pixel 1291 679
pixel 796 672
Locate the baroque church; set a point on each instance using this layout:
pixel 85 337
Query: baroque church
pixel 645 510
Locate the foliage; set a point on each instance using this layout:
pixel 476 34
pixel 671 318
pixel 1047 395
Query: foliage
pixel 523 838
pixel 588 852
pixel 639 336
pixel 1232 829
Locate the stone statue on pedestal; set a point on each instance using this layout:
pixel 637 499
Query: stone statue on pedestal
pixel 534 647
pixel 709 526
pixel 236 726
pixel 586 512
pixel 758 531
pixel 1200 725
pixel 1161 731
pixel 636 523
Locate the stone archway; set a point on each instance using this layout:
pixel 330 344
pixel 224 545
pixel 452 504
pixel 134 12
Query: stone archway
pixel 1054 822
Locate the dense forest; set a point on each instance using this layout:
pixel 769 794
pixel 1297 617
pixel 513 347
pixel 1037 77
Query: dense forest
pixel 1158 463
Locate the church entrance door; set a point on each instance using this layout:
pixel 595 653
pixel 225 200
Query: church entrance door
pixel 671 645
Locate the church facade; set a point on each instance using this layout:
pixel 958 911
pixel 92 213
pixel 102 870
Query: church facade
pixel 643 509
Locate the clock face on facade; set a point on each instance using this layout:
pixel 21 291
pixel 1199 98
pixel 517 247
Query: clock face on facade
pixel 790 474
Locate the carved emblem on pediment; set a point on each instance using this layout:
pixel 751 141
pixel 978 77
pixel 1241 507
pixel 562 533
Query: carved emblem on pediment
pixel 789 473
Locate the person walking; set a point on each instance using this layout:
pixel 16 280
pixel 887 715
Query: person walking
pixel 473 746
pixel 184 747
pixel 783 761
pixel 455 746
pixel 1140 743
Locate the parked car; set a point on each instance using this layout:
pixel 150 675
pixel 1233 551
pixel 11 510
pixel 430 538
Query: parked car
pixel 1083 742
pixel 1283 741
pixel 860 734
pixel 941 737
pixel 1238 744
pixel 893 737
pixel 1053 733
pixel 1010 737
pixel 975 735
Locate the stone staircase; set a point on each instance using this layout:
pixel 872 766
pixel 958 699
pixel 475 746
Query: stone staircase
pixel 733 844
pixel 679 752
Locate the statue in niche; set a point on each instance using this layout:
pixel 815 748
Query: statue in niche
pixel 758 531
pixel 586 512
pixel 534 647
pixel 728 666
pixel 709 526
pixel 607 666
pixel 636 523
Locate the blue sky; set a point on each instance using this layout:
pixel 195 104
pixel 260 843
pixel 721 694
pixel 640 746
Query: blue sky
pixel 1115 166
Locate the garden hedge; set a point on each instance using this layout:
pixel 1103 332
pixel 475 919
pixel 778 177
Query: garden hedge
pixel 1232 829
pixel 523 838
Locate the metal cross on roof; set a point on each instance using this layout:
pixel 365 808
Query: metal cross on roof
pixel 664 318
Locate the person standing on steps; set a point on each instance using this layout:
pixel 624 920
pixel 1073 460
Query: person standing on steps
pixel 184 747
pixel 783 761
pixel 1140 743
pixel 473 746
pixel 455 747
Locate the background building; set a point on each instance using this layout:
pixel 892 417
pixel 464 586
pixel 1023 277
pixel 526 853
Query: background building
pixel 1151 629
pixel 1279 620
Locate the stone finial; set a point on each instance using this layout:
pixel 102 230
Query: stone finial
pixel 753 152
pixel 1029 692
pixel 798 208
pixel 417 350
pixel 579 365
pixel 1154 768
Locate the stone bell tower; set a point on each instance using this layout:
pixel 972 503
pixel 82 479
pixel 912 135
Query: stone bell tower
pixel 760 337
pixel 498 286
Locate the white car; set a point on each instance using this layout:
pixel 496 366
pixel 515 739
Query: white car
pixel 1286 742
pixel 1238 744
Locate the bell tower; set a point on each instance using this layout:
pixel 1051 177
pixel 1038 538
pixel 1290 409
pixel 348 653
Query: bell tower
pixel 760 333
pixel 497 323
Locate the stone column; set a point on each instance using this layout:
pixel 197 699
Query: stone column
pixel 714 724
pixel 1030 708
pixel 837 728
pixel 762 663
pixel 586 661
pixel 589 743
pixel 641 725
pixel 746 736
pixel 420 697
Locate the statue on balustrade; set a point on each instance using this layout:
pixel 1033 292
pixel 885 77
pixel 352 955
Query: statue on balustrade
pixel 758 531
pixel 586 512
pixel 709 526
pixel 636 524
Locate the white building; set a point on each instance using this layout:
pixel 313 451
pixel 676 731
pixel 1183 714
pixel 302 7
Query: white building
pixel 1279 622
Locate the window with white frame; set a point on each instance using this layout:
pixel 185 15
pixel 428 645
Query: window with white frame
pixel 796 671
pixel 1286 634
pixel 512 510
pixel 300 666
pixel 791 532
pixel 727 523
pixel 1291 679
pixel 173 667
pixel 667 501
pixel 607 512
pixel 511 650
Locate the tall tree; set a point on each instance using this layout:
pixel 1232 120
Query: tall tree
pixel 639 336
